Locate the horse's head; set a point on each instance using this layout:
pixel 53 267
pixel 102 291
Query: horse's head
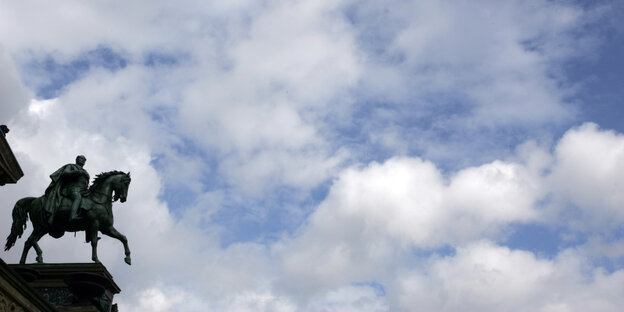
pixel 120 186
pixel 112 183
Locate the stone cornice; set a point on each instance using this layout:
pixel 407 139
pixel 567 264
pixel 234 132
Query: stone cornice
pixel 10 170
pixel 16 295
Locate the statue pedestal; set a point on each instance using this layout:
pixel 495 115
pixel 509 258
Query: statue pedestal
pixel 72 287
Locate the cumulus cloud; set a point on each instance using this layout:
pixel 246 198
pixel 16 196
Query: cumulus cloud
pixel 486 277
pixel 589 173
pixel 13 95
pixel 262 113
pixel 375 216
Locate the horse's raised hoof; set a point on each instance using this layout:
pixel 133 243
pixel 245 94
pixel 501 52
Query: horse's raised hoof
pixel 128 261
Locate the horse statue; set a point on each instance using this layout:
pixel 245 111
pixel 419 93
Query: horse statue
pixel 97 215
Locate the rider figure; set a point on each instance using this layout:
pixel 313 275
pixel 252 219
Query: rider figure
pixel 70 180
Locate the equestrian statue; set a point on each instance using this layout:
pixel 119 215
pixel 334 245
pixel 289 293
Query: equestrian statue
pixel 70 205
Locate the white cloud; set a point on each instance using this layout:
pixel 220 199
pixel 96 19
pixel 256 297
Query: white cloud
pixel 253 301
pixel 496 192
pixel 350 298
pixel 72 26
pixel 459 75
pixel 124 103
pixel 589 173
pixel 486 277
pixel 497 68
pixel 264 114
pixel 162 298
pixel 13 95
pixel 375 214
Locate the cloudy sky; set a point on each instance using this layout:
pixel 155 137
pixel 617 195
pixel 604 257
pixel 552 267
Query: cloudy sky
pixel 332 155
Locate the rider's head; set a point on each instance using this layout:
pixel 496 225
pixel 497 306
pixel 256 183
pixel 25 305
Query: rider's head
pixel 81 160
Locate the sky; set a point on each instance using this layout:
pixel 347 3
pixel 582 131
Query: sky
pixel 394 155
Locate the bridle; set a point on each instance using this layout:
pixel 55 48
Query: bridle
pixel 103 202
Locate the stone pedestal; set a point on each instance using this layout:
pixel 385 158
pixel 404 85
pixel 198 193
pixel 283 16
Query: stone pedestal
pixel 72 287
pixel 17 296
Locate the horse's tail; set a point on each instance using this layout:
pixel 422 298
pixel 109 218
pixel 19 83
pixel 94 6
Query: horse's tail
pixel 20 216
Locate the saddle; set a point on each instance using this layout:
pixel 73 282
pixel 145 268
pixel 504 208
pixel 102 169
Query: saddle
pixel 60 221
pixel 66 203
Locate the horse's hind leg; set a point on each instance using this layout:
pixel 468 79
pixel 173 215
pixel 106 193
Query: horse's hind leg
pixel 32 240
pixel 27 246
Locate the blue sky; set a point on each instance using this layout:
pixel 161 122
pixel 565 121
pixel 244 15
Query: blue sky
pixel 334 156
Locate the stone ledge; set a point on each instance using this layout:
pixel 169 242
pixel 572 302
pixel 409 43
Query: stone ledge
pixel 16 295
pixel 72 286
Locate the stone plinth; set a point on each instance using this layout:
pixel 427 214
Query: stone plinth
pixel 72 287
pixel 17 296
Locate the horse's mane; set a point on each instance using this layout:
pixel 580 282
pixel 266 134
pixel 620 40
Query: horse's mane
pixel 101 177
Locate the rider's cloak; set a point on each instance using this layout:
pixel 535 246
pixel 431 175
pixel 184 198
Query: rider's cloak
pixel 53 195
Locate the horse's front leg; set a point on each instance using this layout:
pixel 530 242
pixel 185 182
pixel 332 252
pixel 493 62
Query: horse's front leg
pixel 92 232
pixel 112 232
pixel 39 253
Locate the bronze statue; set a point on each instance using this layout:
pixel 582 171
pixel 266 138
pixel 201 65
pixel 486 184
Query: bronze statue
pixel 68 206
